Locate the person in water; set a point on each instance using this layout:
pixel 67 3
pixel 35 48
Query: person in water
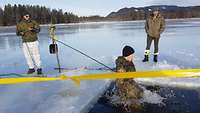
pixel 28 30
pixel 154 26
pixel 128 90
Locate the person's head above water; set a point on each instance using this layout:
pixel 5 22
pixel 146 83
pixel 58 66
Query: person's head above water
pixel 128 52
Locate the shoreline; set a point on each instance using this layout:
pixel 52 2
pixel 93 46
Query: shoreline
pixel 101 22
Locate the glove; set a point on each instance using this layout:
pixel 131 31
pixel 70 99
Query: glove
pixel 20 33
pixel 36 30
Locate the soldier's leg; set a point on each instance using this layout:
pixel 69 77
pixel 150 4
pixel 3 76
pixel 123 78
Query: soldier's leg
pixel 147 51
pixel 36 54
pixel 156 49
pixel 156 45
pixel 149 41
pixel 27 55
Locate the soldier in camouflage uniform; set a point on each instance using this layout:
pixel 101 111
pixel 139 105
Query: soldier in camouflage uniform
pixel 28 30
pixel 154 26
pixel 128 89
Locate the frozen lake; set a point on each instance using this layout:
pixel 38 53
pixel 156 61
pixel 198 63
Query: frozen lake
pixel 104 41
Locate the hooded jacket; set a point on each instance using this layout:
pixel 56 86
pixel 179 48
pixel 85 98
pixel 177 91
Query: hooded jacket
pixel 155 26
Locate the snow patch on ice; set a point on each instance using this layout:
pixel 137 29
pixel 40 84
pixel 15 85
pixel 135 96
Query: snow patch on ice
pixel 189 82
pixel 172 82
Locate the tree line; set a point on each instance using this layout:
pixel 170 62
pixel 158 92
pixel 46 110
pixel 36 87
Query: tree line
pixel 11 14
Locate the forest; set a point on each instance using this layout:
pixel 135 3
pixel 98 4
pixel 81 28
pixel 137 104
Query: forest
pixel 11 14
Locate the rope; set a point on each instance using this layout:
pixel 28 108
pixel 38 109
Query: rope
pixel 53 36
pixel 11 74
pixel 85 55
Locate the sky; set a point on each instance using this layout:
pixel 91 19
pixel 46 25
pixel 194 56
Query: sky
pixel 98 7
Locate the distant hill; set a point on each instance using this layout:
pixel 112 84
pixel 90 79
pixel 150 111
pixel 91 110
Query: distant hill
pixel 141 13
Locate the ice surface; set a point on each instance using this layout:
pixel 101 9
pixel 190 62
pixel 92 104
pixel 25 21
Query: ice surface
pixel 51 97
pixel 104 41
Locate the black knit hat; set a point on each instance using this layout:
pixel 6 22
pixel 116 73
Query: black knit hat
pixel 25 13
pixel 127 50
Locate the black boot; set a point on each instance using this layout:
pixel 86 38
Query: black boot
pixel 155 58
pixel 30 71
pixel 146 58
pixel 39 71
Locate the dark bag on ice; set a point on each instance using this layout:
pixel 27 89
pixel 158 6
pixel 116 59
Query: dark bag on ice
pixel 53 48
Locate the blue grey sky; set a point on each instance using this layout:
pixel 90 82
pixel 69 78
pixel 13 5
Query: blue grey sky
pixel 98 7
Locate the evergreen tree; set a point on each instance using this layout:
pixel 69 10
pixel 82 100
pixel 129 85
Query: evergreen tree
pixel 8 15
pixel 1 16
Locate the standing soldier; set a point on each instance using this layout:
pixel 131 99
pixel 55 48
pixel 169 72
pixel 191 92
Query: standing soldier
pixel 154 26
pixel 129 91
pixel 28 30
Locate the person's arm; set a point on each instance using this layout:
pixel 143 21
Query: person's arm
pixel 162 25
pixel 19 32
pixel 119 66
pixel 36 27
pixel 146 26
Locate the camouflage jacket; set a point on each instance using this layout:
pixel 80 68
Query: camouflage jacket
pixel 127 88
pixel 22 29
pixel 123 64
pixel 154 27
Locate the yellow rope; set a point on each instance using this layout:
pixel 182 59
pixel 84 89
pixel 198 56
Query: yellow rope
pixel 77 79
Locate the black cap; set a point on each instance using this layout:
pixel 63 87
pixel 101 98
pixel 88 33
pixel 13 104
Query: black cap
pixel 127 50
pixel 25 13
